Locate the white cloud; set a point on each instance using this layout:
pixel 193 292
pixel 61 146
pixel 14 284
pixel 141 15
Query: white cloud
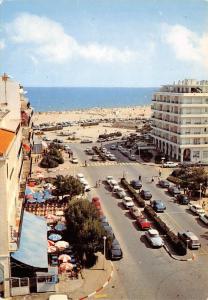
pixel 50 42
pixel 2 44
pixel 186 44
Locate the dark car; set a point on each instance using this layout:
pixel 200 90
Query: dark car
pixel 173 190
pixel 115 251
pixel 164 184
pixel 182 199
pixel 146 195
pixel 158 205
pixel 108 229
pixel 136 184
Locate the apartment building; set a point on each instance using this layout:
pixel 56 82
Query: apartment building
pixel 15 143
pixel 180 120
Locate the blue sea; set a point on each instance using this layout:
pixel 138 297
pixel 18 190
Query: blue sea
pixel 68 98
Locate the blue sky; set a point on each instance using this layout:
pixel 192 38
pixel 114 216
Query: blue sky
pixel 125 43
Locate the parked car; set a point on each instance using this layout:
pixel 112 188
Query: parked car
pixel 95 200
pixel 90 152
pixel 121 193
pixel 182 199
pixel 127 202
pixel 86 141
pixel 113 147
pixel 154 238
pixel 95 158
pixel 204 218
pixel 112 157
pixel 132 157
pixel 196 208
pixel 80 175
pixel 143 223
pixel 135 212
pixel 74 160
pixel 58 297
pixel 109 178
pixel 170 164
pixel 158 205
pixel 108 230
pixel 190 239
pixel 164 184
pixel 173 190
pixel 136 184
pixel 115 251
pixel 146 195
pixel 113 183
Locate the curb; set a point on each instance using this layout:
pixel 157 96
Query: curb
pixel 100 288
pixel 178 259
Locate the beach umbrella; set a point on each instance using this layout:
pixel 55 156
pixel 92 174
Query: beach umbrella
pixel 61 245
pixel 59 213
pixel 55 237
pixel 52 249
pixel 64 267
pixel 50 243
pixel 39 175
pixel 28 191
pixel 32 200
pixel 60 227
pixel 64 257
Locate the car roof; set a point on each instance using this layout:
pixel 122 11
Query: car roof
pixel 190 234
pixel 153 231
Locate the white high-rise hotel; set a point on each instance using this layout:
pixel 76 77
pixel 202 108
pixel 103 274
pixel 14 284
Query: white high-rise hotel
pixel 180 120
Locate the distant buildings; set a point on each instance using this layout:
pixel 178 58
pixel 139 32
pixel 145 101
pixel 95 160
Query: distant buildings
pixel 15 163
pixel 180 120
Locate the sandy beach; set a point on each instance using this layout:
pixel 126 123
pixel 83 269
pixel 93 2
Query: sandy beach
pixel 93 113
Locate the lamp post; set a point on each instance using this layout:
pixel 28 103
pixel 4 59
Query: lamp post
pixel 104 248
pixel 200 192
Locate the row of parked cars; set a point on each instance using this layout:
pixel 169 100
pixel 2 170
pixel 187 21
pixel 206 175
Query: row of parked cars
pixel 127 153
pixel 84 182
pixel 142 222
pixel 114 252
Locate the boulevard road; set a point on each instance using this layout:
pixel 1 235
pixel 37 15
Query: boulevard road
pixel 145 273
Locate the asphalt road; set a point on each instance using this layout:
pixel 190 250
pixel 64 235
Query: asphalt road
pixel 146 273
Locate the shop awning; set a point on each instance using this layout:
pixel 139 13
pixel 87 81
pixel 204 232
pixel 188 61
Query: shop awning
pixel 33 242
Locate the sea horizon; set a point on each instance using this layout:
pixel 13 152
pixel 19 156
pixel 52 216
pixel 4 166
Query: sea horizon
pixel 45 99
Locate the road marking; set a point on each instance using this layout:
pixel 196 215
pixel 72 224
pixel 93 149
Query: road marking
pixel 101 296
pixel 174 221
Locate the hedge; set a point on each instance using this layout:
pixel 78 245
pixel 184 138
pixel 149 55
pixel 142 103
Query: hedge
pixel 132 192
pixel 176 243
pixel 97 150
pixel 174 180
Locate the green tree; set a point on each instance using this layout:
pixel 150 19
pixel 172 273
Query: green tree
pixel 84 229
pixel 68 185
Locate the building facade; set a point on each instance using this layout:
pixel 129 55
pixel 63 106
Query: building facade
pixel 180 120
pixel 15 144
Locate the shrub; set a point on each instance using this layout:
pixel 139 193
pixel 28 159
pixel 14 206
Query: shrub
pixel 174 180
pixel 132 192
pixel 48 162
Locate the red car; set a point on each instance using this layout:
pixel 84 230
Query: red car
pixel 143 223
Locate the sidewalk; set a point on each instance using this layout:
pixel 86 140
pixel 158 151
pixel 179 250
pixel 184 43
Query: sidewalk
pixel 91 281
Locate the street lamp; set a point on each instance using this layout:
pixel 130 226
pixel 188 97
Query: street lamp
pixel 200 191
pixel 104 246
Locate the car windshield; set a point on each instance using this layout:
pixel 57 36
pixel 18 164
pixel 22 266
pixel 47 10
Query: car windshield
pixel 154 235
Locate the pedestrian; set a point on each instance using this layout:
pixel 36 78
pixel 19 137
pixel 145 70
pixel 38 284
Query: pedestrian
pixel 160 173
pixel 96 184
pixel 99 182
pixel 152 178
pixel 203 204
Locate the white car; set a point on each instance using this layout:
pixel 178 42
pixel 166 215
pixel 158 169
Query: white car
pixel 87 188
pixel 58 297
pixel 204 218
pixel 74 160
pixel 170 164
pixel 112 157
pixel 109 178
pixel 121 193
pixel 127 202
pixel 80 176
pixel 154 238
pixel 95 158
pixel 196 208
pixel 113 183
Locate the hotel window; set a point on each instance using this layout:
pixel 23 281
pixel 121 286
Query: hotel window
pixel 205 154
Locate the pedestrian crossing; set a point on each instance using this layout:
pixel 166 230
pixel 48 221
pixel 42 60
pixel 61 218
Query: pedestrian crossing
pixel 107 163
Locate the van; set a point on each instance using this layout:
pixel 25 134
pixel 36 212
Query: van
pixel 190 239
